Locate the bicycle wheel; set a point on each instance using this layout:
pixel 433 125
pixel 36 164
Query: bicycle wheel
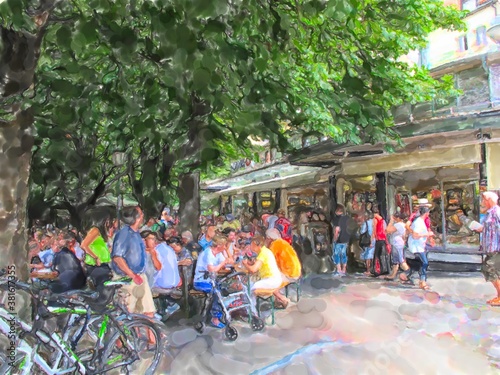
pixel 137 352
pixel 14 357
pixel 83 342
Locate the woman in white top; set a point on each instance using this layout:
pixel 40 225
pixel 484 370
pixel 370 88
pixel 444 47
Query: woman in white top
pixel 417 241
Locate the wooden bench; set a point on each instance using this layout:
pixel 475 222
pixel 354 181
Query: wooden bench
pixel 197 294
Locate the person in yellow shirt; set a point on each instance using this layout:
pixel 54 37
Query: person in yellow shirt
pixel 287 260
pixel 265 265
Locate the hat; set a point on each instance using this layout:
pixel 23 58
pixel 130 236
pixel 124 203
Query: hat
pixel 247 228
pixel 423 202
pixel 229 217
pixel 273 234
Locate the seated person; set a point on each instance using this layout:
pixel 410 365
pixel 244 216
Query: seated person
pixel 211 261
pixel 287 260
pixel 266 266
pixel 190 245
pixel 46 253
pixel 164 261
pixel 66 264
pixel 162 270
pixel 206 240
pixel 231 244
pixel 184 258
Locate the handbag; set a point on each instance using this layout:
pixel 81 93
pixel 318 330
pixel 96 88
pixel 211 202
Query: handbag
pixel 365 240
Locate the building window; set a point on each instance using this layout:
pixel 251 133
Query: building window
pixel 462 43
pixel 471 5
pixel 481 39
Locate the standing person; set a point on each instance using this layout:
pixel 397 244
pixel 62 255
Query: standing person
pixel 417 243
pixel 381 263
pixel 490 242
pixel 367 254
pixel 129 259
pixel 342 230
pixel 397 230
pixel 284 226
pixel 97 254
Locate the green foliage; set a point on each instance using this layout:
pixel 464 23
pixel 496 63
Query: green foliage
pixel 181 85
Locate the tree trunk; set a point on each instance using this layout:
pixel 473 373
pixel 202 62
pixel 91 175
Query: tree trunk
pixel 15 159
pixel 189 202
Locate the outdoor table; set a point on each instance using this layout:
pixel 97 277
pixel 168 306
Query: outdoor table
pixel 44 275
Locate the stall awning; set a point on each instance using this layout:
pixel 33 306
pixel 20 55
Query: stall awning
pixel 298 179
pixel 415 160
pixel 492 163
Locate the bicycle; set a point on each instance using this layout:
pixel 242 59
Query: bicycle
pixel 114 329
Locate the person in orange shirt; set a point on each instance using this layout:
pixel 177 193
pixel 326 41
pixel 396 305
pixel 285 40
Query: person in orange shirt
pixel 287 260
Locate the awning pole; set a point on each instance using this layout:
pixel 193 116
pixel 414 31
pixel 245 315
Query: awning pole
pixel 443 215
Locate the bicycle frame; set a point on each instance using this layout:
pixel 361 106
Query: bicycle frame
pixel 32 357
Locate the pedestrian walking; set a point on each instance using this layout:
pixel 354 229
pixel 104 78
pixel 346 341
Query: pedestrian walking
pixel 417 243
pixel 490 242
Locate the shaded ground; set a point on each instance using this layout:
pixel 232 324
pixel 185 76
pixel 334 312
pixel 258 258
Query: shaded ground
pixel 357 325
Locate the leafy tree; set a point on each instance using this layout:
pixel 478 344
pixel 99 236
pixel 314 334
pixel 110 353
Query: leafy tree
pixel 180 86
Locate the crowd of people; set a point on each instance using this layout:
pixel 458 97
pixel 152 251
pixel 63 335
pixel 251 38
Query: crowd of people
pixel 401 245
pixel 159 259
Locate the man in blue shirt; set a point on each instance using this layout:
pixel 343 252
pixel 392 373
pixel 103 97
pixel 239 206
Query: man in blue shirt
pixel 129 259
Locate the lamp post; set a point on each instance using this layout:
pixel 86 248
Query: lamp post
pixel 118 158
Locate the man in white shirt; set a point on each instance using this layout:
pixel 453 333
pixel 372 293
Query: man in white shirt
pixel 209 263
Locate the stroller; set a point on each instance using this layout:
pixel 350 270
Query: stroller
pixel 233 295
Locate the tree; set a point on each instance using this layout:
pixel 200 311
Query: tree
pixel 180 86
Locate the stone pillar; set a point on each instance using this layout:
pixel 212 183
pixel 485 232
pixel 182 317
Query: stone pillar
pixel 332 195
pixel 382 194
pixel 277 200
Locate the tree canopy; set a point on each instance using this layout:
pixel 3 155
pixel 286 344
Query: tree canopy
pixel 182 85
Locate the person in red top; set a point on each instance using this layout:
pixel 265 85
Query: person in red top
pixel 284 226
pixel 381 262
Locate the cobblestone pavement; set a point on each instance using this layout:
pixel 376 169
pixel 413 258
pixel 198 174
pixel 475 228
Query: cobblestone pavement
pixel 356 325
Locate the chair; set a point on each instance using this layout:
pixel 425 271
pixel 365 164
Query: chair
pixel 265 295
pixel 298 288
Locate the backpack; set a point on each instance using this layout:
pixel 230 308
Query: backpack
pixel 284 226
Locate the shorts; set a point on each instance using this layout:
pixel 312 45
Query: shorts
pixel 491 267
pixel 340 253
pixel 397 255
pixel 368 253
pixel 138 298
